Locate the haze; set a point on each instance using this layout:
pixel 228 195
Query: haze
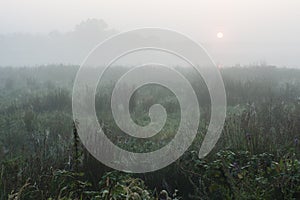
pixel 253 31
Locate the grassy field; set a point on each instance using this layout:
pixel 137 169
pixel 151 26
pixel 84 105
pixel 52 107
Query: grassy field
pixel 257 156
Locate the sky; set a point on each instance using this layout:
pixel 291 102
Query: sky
pixel 254 31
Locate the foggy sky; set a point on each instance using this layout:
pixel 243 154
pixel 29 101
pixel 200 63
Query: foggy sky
pixel 254 30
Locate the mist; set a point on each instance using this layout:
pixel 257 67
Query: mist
pixel 37 33
pixel 149 100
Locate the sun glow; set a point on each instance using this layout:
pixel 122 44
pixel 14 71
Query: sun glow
pixel 220 35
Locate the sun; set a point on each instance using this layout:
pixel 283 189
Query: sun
pixel 220 35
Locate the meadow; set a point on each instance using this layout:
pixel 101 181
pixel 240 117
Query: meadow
pixel 257 156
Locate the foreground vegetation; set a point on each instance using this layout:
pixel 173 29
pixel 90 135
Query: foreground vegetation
pixel 257 157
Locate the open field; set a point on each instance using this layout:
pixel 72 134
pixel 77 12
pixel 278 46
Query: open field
pixel 257 156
